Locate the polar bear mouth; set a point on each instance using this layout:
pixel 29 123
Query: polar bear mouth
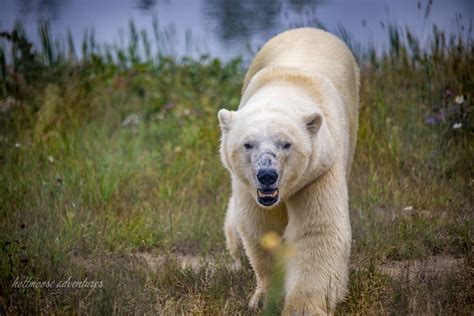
pixel 267 197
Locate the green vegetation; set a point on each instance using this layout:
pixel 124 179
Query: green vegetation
pixel 109 170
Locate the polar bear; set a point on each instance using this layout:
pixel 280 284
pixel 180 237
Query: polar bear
pixel 289 150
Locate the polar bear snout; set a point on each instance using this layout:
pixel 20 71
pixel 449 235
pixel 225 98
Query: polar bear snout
pixel 267 170
pixel 266 194
pixel 267 176
pixel 267 179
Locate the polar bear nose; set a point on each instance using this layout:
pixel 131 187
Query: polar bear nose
pixel 267 176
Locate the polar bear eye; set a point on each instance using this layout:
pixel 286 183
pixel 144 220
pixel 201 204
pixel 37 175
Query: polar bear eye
pixel 248 146
pixel 286 146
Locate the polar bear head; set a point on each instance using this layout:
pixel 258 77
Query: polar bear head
pixel 272 148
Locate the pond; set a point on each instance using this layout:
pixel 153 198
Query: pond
pixel 232 28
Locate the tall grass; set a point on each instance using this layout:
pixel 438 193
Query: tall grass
pixel 113 155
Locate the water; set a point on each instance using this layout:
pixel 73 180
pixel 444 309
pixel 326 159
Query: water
pixel 231 28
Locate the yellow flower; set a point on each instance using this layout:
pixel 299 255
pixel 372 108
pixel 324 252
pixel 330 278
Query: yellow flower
pixel 270 241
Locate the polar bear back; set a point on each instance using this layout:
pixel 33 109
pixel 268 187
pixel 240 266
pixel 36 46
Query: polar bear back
pixel 319 52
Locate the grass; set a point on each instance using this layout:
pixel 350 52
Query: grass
pixel 114 156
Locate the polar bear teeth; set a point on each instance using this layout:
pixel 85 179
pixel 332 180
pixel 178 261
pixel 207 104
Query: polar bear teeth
pixel 272 195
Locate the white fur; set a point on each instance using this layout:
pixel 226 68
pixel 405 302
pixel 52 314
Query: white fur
pixel 302 88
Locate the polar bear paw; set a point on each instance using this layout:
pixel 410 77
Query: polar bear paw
pixel 257 297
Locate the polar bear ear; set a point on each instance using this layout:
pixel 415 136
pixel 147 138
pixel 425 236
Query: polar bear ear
pixel 225 119
pixel 313 122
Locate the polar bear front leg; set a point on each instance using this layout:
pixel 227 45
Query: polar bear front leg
pixel 252 223
pixel 244 220
pixel 262 262
pixel 319 234
pixel 232 237
pixel 315 277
